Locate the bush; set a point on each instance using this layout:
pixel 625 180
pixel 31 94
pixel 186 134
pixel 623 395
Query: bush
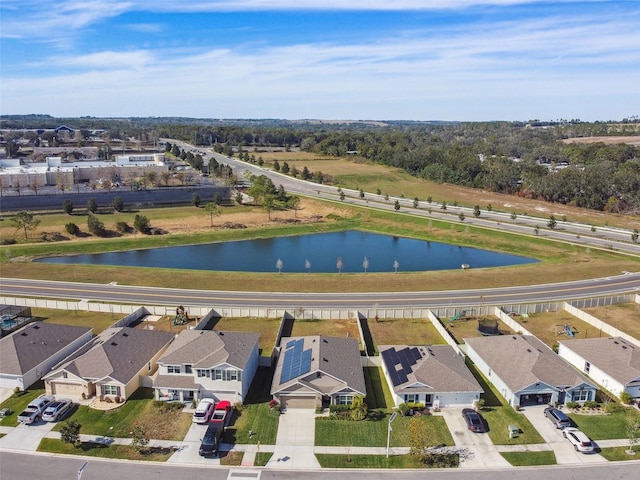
pixel 613 407
pixel 92 205
pixel 117 204
pixel 591 404
pixel 122 227
pixel 95 226
pixel 67 206
pixel 70 432
pixel 195 200
pixel 625 397
pixel 167 406
pixel 72 229
pixel 573 405
pixel 142 224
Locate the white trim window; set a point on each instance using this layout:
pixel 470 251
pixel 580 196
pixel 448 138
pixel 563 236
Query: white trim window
pixel 412 398
pixel 173 368
pixel 110 390
pixel 344 399
pixel 581 395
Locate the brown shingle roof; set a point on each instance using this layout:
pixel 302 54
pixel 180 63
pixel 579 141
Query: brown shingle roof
pixel 34 343
pixel 439 368
pixel 208 348
pixel 613 355
pixel 523 360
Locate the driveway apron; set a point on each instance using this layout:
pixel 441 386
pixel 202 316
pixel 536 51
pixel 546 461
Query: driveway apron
pixel 26 437
pixel 295 440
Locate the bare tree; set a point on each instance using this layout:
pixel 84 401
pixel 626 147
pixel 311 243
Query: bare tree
pixel 365 264
pixel 395 266
pixel 279 265
pixel 339 264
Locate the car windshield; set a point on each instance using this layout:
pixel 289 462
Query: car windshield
pixel 209 440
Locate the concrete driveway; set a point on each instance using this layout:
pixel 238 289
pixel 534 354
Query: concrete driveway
pixel 562 448
pixel 295 440
pixel 188 449
pixel 26 437
pixel 482 453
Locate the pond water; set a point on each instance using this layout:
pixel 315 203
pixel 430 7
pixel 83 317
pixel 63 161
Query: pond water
pixel 319 253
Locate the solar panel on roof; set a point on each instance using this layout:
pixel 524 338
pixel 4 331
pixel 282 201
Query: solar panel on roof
pixel 291 343
pixel 402 377
pixel 305 362
pixel 393 355
pixel 416 355
pixel 296 361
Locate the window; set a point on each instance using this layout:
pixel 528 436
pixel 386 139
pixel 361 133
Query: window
pixel 173 368
pixel 65 375
pixel 412 398
pixel 203 373
pixel 587 367
pixel 581 395
pixel 111 390
pixel 187 369
pixel 217 375
pixel 227 375
pixel 149 366
pixel 344 399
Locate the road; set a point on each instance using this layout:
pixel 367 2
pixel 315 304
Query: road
pixel 15 466
pixel 607 286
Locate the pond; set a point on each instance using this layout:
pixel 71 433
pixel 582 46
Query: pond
pixel 338 252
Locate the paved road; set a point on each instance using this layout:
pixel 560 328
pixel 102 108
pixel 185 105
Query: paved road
pixel 619 284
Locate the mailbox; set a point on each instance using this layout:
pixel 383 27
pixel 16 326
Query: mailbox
pixel 514 431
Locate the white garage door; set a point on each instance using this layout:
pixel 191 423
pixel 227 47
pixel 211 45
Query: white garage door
pixel 68 389
pixel 290 401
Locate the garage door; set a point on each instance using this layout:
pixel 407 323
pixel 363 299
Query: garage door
pixel 298 402
pixel 68 389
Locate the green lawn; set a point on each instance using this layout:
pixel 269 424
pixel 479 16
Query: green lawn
pixel 378 393
pixel 255 415
pixel 371 461
pixel 17 404
pixel 616 454
pixel 138 409
pixel 524 459
pixel 262 458
pixel 373 431
pixel 602 427
pixel 104 451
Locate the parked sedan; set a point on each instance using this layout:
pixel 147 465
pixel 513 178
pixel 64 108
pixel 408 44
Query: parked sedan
pixel 578 439
pixel 56 410
pixel 474 420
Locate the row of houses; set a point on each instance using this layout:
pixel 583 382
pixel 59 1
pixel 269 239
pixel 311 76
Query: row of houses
pixel 310 371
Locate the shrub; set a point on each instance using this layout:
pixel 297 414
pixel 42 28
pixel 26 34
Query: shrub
pixel 92 205
pixel 195 200
pixel 404 409
pixel 117 204
pixel 167 406
pixel 70 432
pixel 122 227
pixel 613 407
pixel 95 226
pixel 591 404
pixel 67 206
pixel 142 224
pixel 72 229
pixel 573 405
pixel 625 397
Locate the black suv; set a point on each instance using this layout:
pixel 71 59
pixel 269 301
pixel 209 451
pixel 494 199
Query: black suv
pixel 211 441
pixel 558 418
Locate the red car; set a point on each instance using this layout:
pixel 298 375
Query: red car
pixel 221 413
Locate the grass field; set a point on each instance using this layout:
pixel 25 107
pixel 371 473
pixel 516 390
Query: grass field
pixel 370 461
pixel 602 427
pixel 524 459
pixel 548 327
pixel 78 318
pixel 332 328
pixel 418 331
pixel 467 327
pixel 378 393
pixel 623 316
pixel 267 328
pixel 89 449
pixel 618 454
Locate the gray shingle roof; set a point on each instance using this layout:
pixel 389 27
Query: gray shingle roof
pixel 119 353
pixel 523 360
pixel 209 348
pixel 335 364
pixel 440 369
pixel 34 343
pixel 613 355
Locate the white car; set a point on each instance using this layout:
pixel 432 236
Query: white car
pixel 56 410
pixel 203 411
pixel 578 439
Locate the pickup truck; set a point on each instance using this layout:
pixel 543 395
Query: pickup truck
pixel 221 414
pixel 33 412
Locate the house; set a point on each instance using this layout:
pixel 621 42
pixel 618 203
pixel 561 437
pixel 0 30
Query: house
pixel 527 372
pixel 112 365
pixel 611 362
pixel 434 375
pixel 317 370
pixel 29 353
pixel 208 363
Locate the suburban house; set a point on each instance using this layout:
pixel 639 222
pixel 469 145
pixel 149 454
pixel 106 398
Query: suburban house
pixel 207 364
pixel 112 366
pixel 434 375
pixel 613 363
pixel 317 371
pixel 527 372
pixel 31 351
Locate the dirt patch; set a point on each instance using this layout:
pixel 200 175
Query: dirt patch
pixel 631 140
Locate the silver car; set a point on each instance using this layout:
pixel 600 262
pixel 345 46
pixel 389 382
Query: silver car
pixel 56 410
pixel 578 439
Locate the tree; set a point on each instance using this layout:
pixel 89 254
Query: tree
pixel 339 264
pixel 443 206
pixel 70 432
pixel 365 264
pixel 95 226
pixel 476 211
pixel 361 193
pixel 139 439
pixel 395 266
pixel 67 206
pixel 285 168
pixel 489 207
pixel 397 205
pixel 195 200
pixel 342 195
pixel 378 191
pixel 279 265
pixel 142 224
pixel 358 408
pixel 634 235
pixel 306 174
pixel 461 216
pixel 213 210
pixel 72 229
pixel 294 202
pixel 632 427
pixel 416 202
pixel 513 216
pixel 217 198
pixel 552 222
pixel 276 165
pixel 25 221
pixel 117 204
pixel 238 198
pixel 92 205
pixel 269 204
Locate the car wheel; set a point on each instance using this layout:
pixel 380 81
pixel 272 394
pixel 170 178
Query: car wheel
pixel 564 434
pixel 576 447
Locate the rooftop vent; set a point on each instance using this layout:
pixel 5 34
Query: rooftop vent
pixel 36 327
pixel 114 344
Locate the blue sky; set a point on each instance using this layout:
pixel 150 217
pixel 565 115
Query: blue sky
pixel 322 59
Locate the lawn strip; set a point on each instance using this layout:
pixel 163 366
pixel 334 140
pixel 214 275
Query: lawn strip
pixel 618 454
pixel 601 427
pixel 262 458
pixel 90 449
pixel 525 459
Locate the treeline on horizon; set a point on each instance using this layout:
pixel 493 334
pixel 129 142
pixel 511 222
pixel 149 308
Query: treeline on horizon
pixel 528 159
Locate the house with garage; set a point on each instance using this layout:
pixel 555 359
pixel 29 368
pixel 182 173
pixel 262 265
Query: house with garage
pixel 208 364
pixel 317 371
pixel 527 372
pixel 611 362
pixel 31 351
pixel 111 367
pixel 434 375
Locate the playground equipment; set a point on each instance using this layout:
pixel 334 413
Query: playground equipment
pixel 488 327
pixel 182 316
pixel 565 328
pixel 458 316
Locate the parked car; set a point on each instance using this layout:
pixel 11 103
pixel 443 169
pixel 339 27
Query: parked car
pixel 56 410
pixel 211 440
pixel 33 411
pixel 557 417
pixel 203 411
pixel 221 413
pixel 578 439
pixel 475 422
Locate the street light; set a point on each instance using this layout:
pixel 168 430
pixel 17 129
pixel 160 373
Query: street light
pixel 81 469
pixel 391 419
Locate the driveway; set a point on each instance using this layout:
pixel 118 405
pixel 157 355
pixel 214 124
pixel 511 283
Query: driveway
pixel 295 440
pixel 482 452
pixel 562 448
pixel 188 449
pixel 26 437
